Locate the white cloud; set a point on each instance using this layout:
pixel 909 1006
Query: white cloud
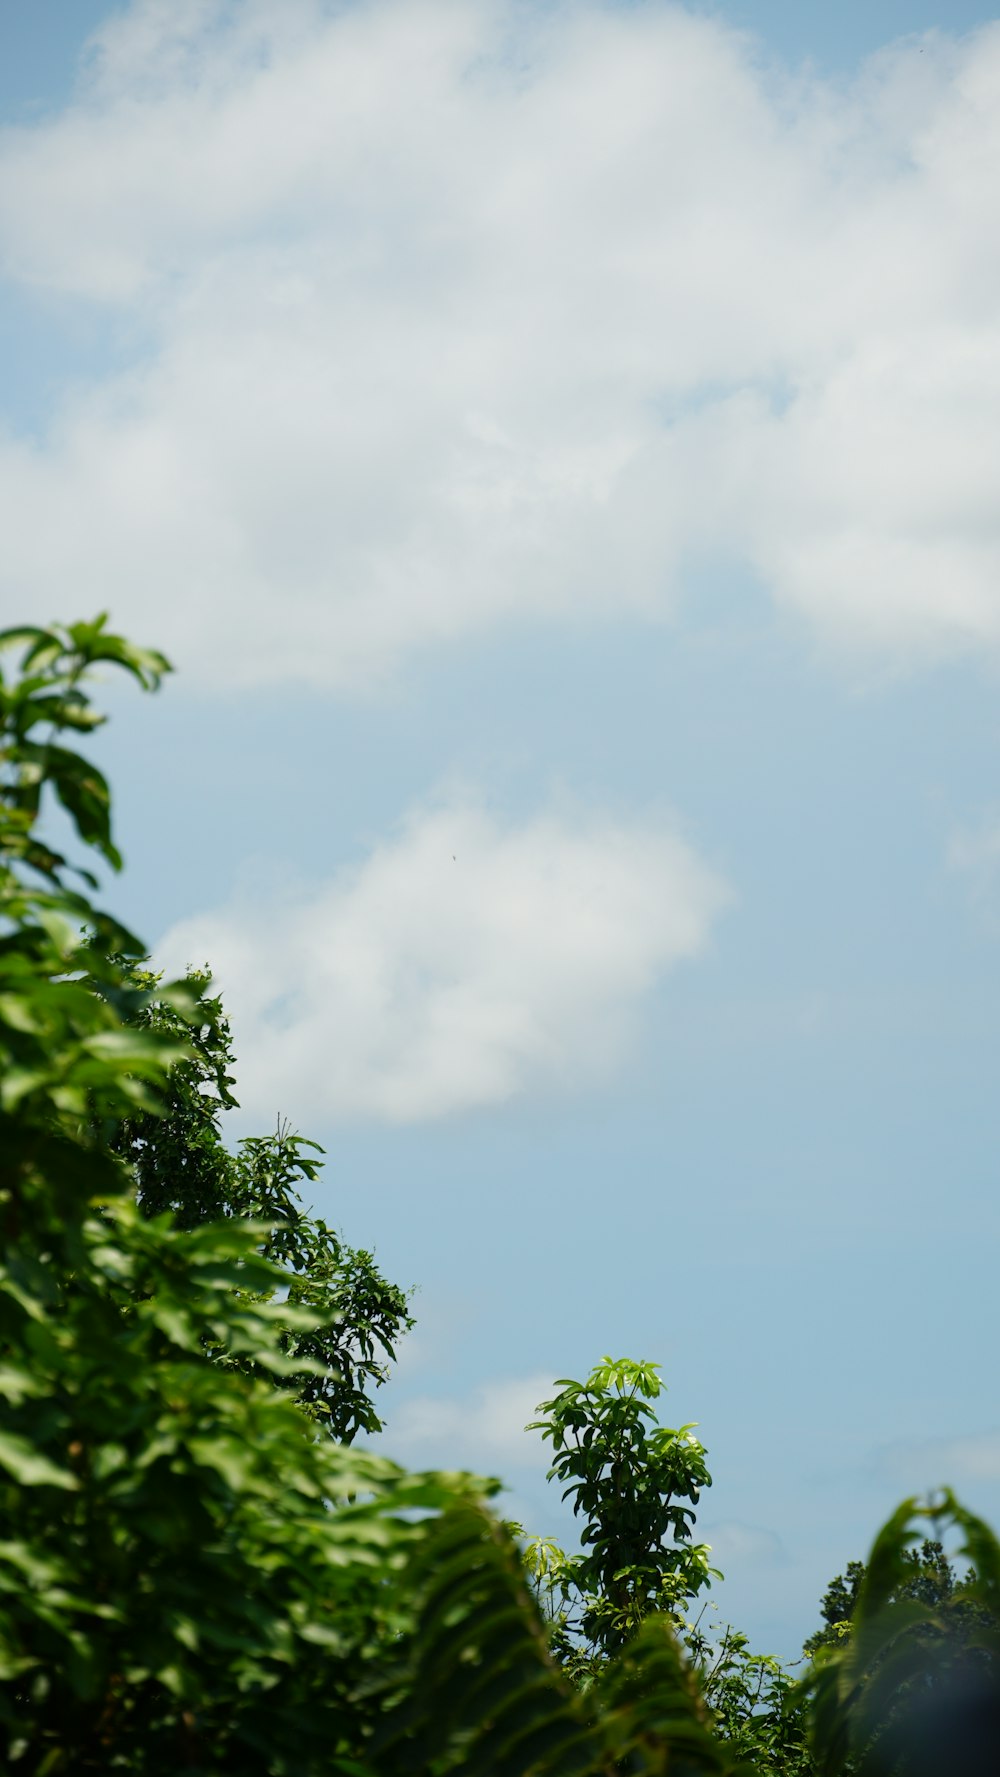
pixel 462 963
pixel 944 1462
pixel 459 313
pixel 482 1431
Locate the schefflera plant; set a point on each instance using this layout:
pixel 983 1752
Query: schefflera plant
pixel 634 1484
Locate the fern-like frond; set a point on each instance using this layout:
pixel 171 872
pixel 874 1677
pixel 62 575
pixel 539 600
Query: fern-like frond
pixel 651 1715
pixel 478 1690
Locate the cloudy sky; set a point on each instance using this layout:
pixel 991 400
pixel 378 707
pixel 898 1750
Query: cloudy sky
pixel 557 442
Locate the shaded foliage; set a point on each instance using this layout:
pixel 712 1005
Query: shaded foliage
pixel 930 1578
pixel 182 1166
pixel 914 1688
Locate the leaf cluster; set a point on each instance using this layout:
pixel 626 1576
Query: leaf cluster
pixel 63 1052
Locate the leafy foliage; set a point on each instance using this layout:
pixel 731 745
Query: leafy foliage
pixel 640 1568
pixel 172 1579
pixel 628 1479
pixel 756 1705
pixel 480 1676
pixel 914 1688
pixel 477 1675
pixel 654 1711
pixel 65 1055
pixel 929 1577
pixel 175 1586
pixel 181 1165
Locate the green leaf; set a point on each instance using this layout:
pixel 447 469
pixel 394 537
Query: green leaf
pixel 31 1466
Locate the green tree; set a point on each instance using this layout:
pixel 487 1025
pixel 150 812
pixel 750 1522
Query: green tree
pixel 182 1166
pixel 174 1588
pixel 634 1484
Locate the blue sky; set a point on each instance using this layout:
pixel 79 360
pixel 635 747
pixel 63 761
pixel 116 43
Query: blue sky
pixel 557 446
